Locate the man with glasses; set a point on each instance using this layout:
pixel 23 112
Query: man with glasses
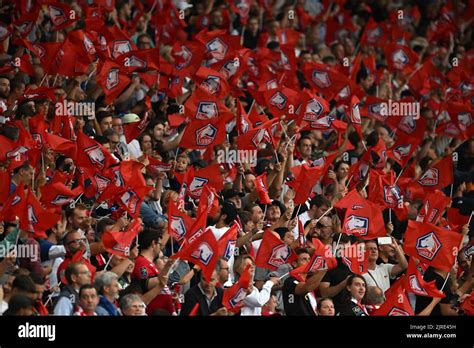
pixel 74 243
pixel 77 275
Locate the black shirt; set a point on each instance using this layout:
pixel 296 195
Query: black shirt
pixel 423 301
pixel 195 295
pixel 334 277
pixel 295 304
pixel 349 308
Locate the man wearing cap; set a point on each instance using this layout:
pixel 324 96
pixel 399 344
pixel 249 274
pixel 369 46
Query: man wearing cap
pixel 134 146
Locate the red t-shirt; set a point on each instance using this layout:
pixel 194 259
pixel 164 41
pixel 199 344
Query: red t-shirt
pixel 145 269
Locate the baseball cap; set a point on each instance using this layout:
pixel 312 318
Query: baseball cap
pixel 232 193
pixel 130 118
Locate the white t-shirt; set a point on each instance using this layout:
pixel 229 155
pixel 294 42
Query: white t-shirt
pixel 381 275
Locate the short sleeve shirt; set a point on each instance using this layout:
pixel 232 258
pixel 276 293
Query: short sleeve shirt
pixel 144 269
pixel 380 276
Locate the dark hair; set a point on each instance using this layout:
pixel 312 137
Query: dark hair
pixel 319 201
pixel 17 303
pixel 301 250
pixel 71 269
pixel 281 231
pixel 24 166
pixel 86 287
pixel 101 139
pixel 347 295
pixel 37 279
pixel 146 238
pixel 24 283
pixel 102 224
pixel 320 302
pixel 229 209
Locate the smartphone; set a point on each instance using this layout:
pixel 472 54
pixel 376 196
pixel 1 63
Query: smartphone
pixel 384 240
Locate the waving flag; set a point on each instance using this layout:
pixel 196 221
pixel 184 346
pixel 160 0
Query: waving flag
pixel 363 218
pixel 15 205
pixel 218 44
pixel 431 244
pixel 304 182
pixel 208 201
pixel 203 106
pixel 322 260
pixel 324 79
pixel 61 15
pixel 134 129
pixel 118 243
pixel 179 223
pixel 436 202
pixel 357 262
pixel 92 154
pixel 212 82
pixel 112 80
pixel 312 109
pixel 400 57
pixel 188 56
pixel 201 134
pixel 234 296
pixel 203 252
pixel 414 282
pixel 58 194
pixel 396 304
pixel 262 190
pixel 439 175
pixel 226 243
pixel 259 135
pixel 273 253
pixel 375 34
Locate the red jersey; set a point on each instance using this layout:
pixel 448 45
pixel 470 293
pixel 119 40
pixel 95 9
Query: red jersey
pixel 144 268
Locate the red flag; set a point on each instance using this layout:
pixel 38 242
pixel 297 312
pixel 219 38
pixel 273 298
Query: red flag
pixel 218 43
pixel 312 109
pixel 198 228
pixel 195 310
pixel 324 79
pixel 38 219
pixel 354 115
pixel 375 34
pixel 432 245
pixel 58 194
pixel 253 138
pixel 212 82
pixel 234 296
pixel 203 106
pixel 203 252
pixel 155 166
pixel 243 123
pixel 92 154
pixel 262 190
pixel 414 282
pixel 357 263
pixel 468 304
pixel 60 144
pixel 133 130
pixel 118 243
pixel 226 243
pixel 363 218
pixel 281 101
pixel 322 260
pixel 187 56
pixel 396 304
pixel 196 180
pixel 203 134
pixel 400 57
pixel 179 223
pixel 439 175
pixel 435 203
pixel 456 218
pixel 402 150
pixel 273 253
pixel 112 80
pixel 304 182
pixel 61 15
pixel 15 206
pixel 208 201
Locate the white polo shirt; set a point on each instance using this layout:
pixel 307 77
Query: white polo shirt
pixel 380 276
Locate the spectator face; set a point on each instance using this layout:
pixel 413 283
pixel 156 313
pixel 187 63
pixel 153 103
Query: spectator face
pixel 217 19
pixel 387 250
pixel 257 214
pixel 272 304
pixel 247 262
pixel 107 147
pixel 112 291
pixel 357 288
pixel 303 259
pixel 342 171
pixel 253 25
pixel 79 218
pixel 158 131
pixel 146 144
pixel 224 272
pixel 249 226
pixel 106 123
pixel 273 213
pixel 83 275
pixel 288 238
pixel 321 210
pixel 4 87
pixel 209 287
pixel 305 148
pixel 136 309
pixel 325 227
pixel 373 251
pixel 75 242
pixel 117 125
pixel 274 26
pixel 89 300
pixel 181 164
pixel 144 43
pixel 249 182
pixel 161 261
pixel 114 141
pixel 327 309
pixel 383 134
pixel 339 52
pixel 38 295
pixel 464 262
pixel 27 175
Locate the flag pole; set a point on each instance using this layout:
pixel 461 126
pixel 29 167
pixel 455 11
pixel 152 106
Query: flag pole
pixel 108 261
pixel 389 214
pixel 337 244
pixel 242 35
pixel 451 193
pixel 325 213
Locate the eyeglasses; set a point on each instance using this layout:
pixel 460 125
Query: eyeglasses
pixel 79 240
